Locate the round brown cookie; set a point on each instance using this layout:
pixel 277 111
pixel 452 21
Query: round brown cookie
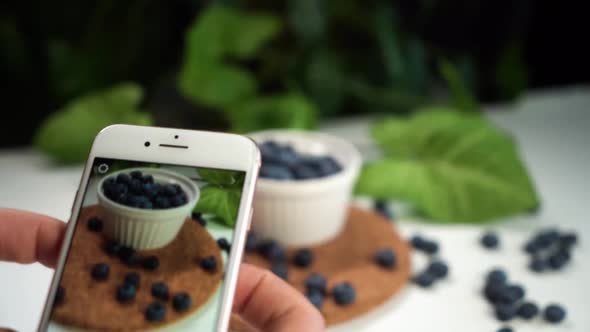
pixel 93 305
pixel 349 257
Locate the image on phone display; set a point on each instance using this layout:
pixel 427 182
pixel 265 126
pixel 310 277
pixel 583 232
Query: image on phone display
pixel 149 248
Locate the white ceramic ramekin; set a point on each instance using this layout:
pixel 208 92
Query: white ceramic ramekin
pixel 147 229
pixel 300 213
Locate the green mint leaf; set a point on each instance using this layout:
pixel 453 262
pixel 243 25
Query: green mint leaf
pixel 452 166
pixel 67 134
pixel 221 202
pixel 461 97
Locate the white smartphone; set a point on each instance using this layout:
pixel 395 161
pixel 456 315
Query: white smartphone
pixel 156 233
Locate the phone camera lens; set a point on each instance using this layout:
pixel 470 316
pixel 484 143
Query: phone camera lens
pixel 176 136
pixel 146 144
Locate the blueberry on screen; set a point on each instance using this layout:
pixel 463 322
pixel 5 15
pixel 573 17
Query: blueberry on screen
pixel 316 298
pixel 160 290
pixel 181 302
pixel 123 178
pixel 162 202
pixel 136 186
pixel 150 263
pixel 112 248
pixel 385 258
pixel 209 263
pixel 303 258
pixel 155 312
pixel 94 224
pixel 100 271
pixel 60 296
pixel 505 312
pixel 281 270
pixel 176 201
pixel 198 217
pixel 527 310
pixel 554 313
pixel 133 279
pixel 383 209
pixel 125 293
pixel 344 294
pixel 568 240
pixel 438 269
pixel 316 282
pixel 490 240
pixel 538 265
pixel 135 174
pixel 224 244
pixel 505 329
pixel 497 276
pixel 126 253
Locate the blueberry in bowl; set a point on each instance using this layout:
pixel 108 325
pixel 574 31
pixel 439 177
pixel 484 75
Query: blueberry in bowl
pixel 139 202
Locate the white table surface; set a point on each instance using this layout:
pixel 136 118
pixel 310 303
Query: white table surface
pixel 553 129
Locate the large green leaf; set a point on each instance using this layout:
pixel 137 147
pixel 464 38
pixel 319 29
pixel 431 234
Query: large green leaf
pixel 221 202
pixel 452 166
pixel 67 134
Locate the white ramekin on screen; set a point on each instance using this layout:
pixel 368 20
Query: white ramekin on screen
pixel 300 213
pixel 147 229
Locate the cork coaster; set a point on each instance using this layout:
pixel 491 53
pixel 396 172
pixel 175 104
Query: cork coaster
pixel 349 257
pixel 91 304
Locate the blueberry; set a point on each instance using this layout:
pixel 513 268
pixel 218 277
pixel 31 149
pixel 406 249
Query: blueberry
pixel 286 155
pixel 150 263
pixel 383 209
pixel 316 298
pixel 303 258
pixel 559 259
pixel 100 271
pixel 149 190
pixel 60 296
pixel 133 279
pixel 385 258
pixel 125 293
pixel 327 166
pixel 223 244
pixel 417 242
pixel 344 294
pixel 490 240
pixel 125 252
pixel 554 313
pixel 251 242
pixel 155 312
pixel 513 293
pixel 272 251
pixel 281 270
pixel 162 202
pixel 112 247
pixel 132 260
pixel 494 292
pixel 135 174
pixel 136 186
pixel 181 302
pixel 94 224
pixel 527 310
pixel 430 247
pixel 148 178
pixel 316 282
pixel 160 290
pixel 505 329
pixel 123 178
pixel 505 312
pixel 209 263
pixel 438 269
pixel 532 247
pixel 537 265
pixel 497 276
pixel 146 205
pixel 423 279
pixel 276 172
pixel 168 190
pixel 177 201
pixel 304 172
pixel 132 201
pixel 546 238
pixel 568 240
pixel 198 217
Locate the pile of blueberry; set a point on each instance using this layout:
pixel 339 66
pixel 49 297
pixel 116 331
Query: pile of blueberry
pixel 436 269
pixel 139 190
pixel 508 300
pixel 550 249
pixel 282 162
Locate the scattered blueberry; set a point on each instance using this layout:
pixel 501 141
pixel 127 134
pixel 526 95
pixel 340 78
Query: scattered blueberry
pixel 537 265
pixel 430 247
pixel 281 270
pixel 527 310
pixel 251 242
pixel 112 248
pixel 559 259
pixel 417 242
pixel 198 217
pixel 438 269
pixel 125 293
pixel 125 252
pixel 316 298
pixel 223 244
pixel 554 313
pixel 497 276
pixel 385 258
pixel 160 291
pixel 505 312
pixel 494 292
pixel 383 209
pixel 490 240
pixel 531 247
pixel 316 282
pixel 150 263
pixel 181 302
pixel 513 293
pixel 60 296
pixel 303 258
pixel 568 240
pixel 209 263
pixel 100 272
pixel 344 293
pixel 132 260
pixel 505 329
pixel 155 312
pixel 424 279
pixel 133 279
pixel 272 251
pixel 94 224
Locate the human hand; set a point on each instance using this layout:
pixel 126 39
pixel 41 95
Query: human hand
pixel 262 299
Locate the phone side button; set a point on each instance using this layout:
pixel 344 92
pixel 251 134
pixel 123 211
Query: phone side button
pixel 250 218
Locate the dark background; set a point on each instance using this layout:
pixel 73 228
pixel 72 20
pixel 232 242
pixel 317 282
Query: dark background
pixel 142 41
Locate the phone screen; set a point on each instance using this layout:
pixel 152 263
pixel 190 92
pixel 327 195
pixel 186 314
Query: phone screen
pixel 149 249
